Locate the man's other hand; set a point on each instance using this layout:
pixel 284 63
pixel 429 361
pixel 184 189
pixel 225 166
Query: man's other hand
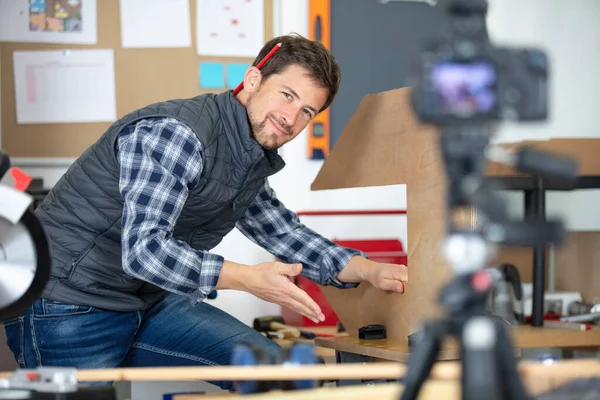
pixel 270 281
pixel 389 277
pixel 383 276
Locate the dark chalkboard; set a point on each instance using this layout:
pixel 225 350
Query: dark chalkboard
pixel 375 43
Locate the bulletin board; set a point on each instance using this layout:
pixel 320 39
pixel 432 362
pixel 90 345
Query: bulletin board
pixel 142 76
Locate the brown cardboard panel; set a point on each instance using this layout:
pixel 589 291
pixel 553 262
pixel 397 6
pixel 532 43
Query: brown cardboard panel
pixel 376 146
pixel 584 150
pixel 384 144
pixel 578 265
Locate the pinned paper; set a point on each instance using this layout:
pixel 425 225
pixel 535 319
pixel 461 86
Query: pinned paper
pixel 212 75
pixel 229 28
pixel 48 21
pixel 155 23
pixel 54 86
pixel 235 73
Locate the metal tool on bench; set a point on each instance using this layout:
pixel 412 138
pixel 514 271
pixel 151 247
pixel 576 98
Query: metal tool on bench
pixel 24 270
pixel 465 86
pixel 275 324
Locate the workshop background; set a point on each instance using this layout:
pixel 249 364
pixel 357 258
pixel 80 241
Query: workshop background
pixel 568 30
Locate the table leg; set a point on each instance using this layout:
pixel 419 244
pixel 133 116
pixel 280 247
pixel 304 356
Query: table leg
pixel 535 208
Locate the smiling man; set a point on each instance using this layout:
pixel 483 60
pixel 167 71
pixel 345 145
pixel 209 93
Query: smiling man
pixel 133 221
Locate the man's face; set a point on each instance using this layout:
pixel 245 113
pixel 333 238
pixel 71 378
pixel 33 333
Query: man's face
pixel 283 105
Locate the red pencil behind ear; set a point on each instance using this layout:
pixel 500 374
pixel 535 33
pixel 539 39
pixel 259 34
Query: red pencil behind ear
pixel 260 64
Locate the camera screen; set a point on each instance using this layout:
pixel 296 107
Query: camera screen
pixel 464 89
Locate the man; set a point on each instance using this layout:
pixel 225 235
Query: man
pixel 133 220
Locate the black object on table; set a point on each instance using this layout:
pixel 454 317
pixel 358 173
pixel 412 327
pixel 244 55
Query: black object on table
pixel 371 332
pixel 535 190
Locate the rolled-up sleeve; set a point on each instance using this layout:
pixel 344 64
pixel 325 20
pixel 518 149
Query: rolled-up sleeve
pixel 160 163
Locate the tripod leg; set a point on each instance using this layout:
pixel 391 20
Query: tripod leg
pixel 422 359
pixel 513 387
pixel 480 369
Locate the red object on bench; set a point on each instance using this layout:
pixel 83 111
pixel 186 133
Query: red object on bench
pixel 381 250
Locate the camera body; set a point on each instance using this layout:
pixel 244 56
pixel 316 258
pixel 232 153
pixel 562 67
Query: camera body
pixel 462 77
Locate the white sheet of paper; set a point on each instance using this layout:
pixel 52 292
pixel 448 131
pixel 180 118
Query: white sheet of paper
pixel 68 21
pixel 229 28
pixel 155 23
pixel 57 86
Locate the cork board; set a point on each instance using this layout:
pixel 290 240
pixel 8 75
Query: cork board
pixel 139 80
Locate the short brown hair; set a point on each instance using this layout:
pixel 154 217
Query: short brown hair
pixel 311 55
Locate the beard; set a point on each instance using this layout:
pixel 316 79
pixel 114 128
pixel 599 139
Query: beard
pixel 268 140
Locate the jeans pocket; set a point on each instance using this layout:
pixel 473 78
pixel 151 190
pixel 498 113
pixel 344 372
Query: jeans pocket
pixel 14 338
pixel 52 308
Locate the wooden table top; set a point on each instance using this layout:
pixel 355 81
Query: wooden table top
pixel 524 336
pixel 443 383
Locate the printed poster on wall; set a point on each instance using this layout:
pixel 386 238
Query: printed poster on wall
pixel 48 21
pixel 229 28
pixel 64 86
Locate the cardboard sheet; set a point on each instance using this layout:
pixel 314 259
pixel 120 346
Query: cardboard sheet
pixel 584 150
pixel 384 144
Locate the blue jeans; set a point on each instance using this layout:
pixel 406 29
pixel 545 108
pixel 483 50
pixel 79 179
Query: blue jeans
pixel 172 333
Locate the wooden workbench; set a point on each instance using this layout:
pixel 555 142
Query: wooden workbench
pixel 523 337
pixel 444 383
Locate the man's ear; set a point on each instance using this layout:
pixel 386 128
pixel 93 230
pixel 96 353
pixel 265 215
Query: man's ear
pixel 252 79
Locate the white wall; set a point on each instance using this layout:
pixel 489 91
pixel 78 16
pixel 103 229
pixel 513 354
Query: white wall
pixel 569 31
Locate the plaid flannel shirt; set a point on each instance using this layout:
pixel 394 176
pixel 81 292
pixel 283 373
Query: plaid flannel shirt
pixel 160 163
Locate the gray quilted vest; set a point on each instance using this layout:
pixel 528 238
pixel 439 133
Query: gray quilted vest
pixel 82 213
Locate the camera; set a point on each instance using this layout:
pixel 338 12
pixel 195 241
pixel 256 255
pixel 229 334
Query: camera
pixel 462 77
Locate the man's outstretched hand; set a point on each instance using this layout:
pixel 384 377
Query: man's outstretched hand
pixel 270 282
pixel 383 276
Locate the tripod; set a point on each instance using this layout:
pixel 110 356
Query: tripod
pixel 463 85
pixel 488 367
